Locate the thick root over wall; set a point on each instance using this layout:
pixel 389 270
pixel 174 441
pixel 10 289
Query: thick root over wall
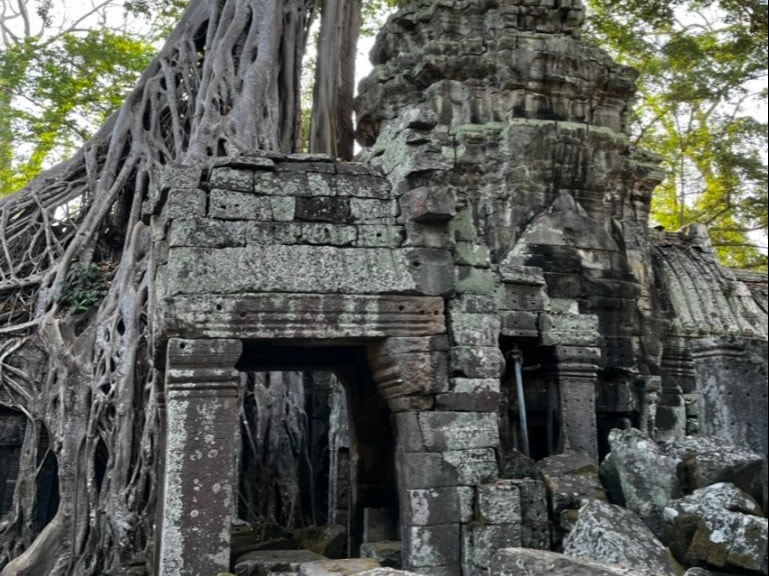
pixel 76 277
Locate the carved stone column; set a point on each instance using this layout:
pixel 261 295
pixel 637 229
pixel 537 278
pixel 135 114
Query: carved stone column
pixel 201 422
pixel 573 341
pixel 574 375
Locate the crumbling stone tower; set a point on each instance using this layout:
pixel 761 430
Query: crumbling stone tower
pixel 498 228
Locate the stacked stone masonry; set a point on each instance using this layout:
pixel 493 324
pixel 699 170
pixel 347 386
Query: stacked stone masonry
pixel 498 220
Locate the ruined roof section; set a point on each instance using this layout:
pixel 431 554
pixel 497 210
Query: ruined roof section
pixel 701 297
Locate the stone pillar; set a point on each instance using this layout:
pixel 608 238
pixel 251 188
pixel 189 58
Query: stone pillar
pixel 445 444
pixel 201 397
pixel 574 374
pixel 732 385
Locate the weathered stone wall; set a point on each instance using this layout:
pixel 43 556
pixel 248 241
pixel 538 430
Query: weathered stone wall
pixel 500 222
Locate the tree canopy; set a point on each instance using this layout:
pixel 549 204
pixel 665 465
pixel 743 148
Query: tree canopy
pixel 702 108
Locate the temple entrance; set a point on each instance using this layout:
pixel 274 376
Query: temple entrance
pixel 316 449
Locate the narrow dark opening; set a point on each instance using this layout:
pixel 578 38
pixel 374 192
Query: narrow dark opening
pixel 317 451
pixel 539 412
pixel 47 483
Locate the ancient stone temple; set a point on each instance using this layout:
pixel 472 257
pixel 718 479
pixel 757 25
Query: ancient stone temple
pixel 483 284
pixel 489 263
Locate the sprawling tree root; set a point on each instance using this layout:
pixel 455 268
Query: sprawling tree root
pixel 226 83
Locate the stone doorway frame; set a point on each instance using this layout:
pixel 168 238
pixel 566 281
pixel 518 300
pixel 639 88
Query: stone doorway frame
pixel 203 341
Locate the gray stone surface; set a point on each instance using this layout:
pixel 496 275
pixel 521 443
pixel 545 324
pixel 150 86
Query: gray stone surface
pixel 646 474
pixel 347 567
pixel 263 562
pixel 431 546
pixel 525 562
pixel 388 553
pixel 570 479
pixel 614 535
pixel 717 527
pixel 271 269
pixel 387 572
pixel 425 507
pixel 706 460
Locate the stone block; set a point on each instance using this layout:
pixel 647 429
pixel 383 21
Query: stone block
pixel 312 233
pixel 535 524
pixel 410 403
pixel 186 203
pixel 202 232
pixel 615 535
pixel 432 270
pixel 525 562
pixel 408 432
pixel 471 254
pixel 471 467
pixel 458 430
pixel 706 460
pixel 427 546
pixel 476 362
pixel 230 205
pixel 426 204
pixel 473 304
pixel 373 235
pixel 481 541
pixel 452 468
pixel 719 527
pixel 273 269
pixel 462 226
pixel 498 503
pixel 474 329
pixel 320 183
pixel 524 298
pixel 176 176
pixel 470 395
pixel 283 208
pixel 388 553
pixel 520 324
pixel 367 209
pixel 261 562
pixel 229 178
pixel 471 280
pixel 466 402
pixel 362 186
pixel 427 235
pixel 346 567
pixel 570 478
pixel 442 505
pixel 323 209
pixel 245 162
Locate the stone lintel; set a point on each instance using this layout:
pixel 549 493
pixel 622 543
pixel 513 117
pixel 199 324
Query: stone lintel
pixel 311 316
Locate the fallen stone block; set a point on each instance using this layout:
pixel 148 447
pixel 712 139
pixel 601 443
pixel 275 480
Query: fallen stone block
pixel 526 562
pixel 258 563
pixel 348 567
pixel 613 535
pixel 718 527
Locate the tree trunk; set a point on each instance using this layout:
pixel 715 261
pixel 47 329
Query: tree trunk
pixel 225 83
pixel 331 124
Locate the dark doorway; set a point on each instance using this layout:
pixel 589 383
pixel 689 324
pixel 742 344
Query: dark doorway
pixel 317 444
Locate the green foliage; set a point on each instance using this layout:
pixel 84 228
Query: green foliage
pixel 58 86
pixel 703 69
pixel 84 287
pixel 56 94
